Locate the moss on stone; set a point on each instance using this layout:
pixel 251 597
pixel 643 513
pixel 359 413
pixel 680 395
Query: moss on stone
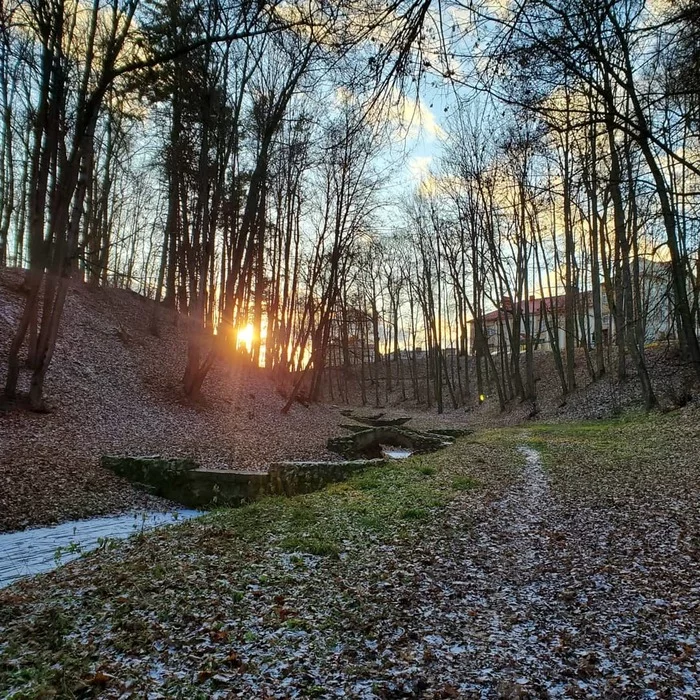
pixel 182 481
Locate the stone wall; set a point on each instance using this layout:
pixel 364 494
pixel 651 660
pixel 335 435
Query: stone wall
pixel 290 478
pixel 367 442
pixel 184 482
pixel 155 474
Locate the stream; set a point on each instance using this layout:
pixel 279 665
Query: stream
pixel 394 452
pixel 42 549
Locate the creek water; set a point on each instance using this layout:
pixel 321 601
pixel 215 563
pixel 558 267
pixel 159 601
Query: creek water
pixel 394 452
pixel 42 549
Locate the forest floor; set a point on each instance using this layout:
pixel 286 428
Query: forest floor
pixel 552 561
pixel 114 388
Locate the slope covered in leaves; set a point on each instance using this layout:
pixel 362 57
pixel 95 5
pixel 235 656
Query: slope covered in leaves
pixel 113 387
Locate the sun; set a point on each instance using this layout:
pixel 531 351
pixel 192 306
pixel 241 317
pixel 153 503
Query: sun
pixel 245 337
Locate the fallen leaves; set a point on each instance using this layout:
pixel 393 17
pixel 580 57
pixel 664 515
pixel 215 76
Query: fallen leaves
pixel 579 579
pixel 99 679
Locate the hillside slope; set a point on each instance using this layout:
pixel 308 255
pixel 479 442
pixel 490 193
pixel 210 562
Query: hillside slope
pixel 113 387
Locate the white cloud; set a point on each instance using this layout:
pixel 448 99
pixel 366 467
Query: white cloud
pixel 410 117
pixel 419 167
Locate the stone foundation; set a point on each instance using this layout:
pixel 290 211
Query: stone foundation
pixel 368 442
pixel 381 422
pixel 182 481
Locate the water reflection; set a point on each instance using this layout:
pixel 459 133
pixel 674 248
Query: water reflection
pixel 394 452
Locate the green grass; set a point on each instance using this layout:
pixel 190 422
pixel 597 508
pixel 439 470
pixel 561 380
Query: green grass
pixel 317 523
pixel 414 514
pixel 310 545
pixel 218 562
pixel 612 459
pixel 426 469
pixel 464 483
pixel 627 437
pixel 377 501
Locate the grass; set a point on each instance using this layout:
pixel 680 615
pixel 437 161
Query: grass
pixel 414 514
pixel 378 499
pixel 214 567
pixel 310 545
pixel 464 483
pixel 625 437
pixel 634 453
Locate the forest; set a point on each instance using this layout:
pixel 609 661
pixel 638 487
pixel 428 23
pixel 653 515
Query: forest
pixel 349 349
pixel 249 165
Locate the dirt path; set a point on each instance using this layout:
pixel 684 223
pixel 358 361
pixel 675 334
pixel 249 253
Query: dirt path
pixel 553 605
pixel 514 584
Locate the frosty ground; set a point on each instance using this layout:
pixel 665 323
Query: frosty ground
pixel 556 561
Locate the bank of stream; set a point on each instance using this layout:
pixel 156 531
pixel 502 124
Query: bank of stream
pixel 38 550
pixel 42 549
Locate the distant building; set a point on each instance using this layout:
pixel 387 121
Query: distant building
pixel 537 313
pixel 545 318
pixel 657 301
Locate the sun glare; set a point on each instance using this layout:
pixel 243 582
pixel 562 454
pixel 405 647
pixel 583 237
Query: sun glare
pixel 245 337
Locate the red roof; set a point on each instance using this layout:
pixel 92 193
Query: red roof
pixel 534 305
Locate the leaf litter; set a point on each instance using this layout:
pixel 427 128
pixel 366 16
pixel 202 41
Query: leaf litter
pixel 569 570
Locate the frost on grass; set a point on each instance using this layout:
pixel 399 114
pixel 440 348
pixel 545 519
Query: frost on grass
pixel 567 569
